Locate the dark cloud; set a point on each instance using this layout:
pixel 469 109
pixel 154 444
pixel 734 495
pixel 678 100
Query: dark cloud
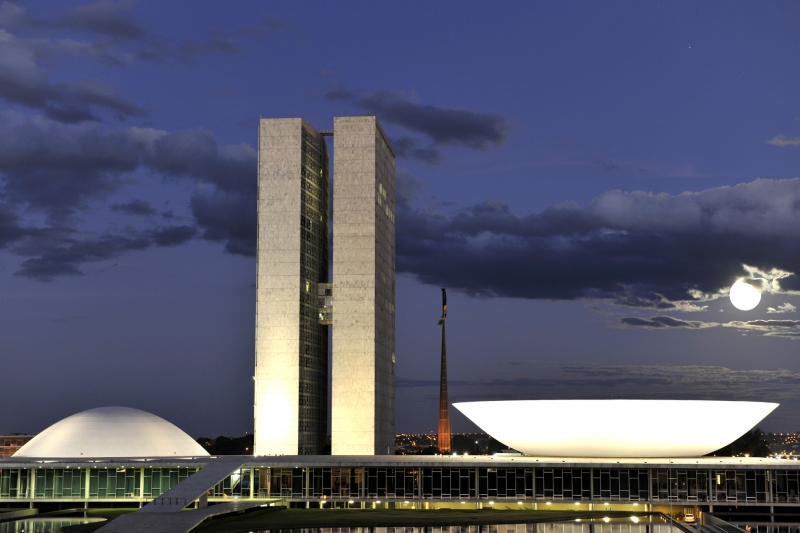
pixel 67 257
pixel 691 382
pixel 59 168
pixel 407 188
pixel 114 19
pixel 408 148
pixel 445 126
pixel 195 153
pixel 73 101
pixel 224 201
pixel 774 323
pixel 658 322
pixel 111 19
pixel 770 328
pixel 134 207
pixel 638 249
pixel 119 39
pixel 228 217
pixel 171 235
pixel 10 226
pixel 23 82
pixel 62 170
pixel 337 92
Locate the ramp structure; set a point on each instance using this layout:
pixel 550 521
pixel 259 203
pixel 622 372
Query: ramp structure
pixel 163 514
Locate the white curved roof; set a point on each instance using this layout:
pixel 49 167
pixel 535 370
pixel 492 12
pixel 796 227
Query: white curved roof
pixel 111 432
pixel 616 428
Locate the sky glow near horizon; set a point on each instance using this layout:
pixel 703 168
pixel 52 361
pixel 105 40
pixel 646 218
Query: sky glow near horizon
pixel 588 181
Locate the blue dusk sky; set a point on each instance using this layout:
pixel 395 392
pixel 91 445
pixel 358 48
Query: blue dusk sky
pixel 586 178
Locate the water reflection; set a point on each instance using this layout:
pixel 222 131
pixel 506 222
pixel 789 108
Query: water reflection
pixel 577 526
pixel 43 525
pixel 768 528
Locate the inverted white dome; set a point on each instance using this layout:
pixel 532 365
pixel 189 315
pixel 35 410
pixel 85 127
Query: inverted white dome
pixel 111 432
pixel 615 428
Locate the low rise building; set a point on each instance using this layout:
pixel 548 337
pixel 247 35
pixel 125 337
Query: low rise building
pixel 9 444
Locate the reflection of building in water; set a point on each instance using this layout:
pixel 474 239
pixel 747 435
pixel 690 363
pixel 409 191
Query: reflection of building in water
pixel 588 526
pixel 768 528
pixel 44 524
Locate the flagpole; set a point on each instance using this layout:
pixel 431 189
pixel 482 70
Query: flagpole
pixel 444 404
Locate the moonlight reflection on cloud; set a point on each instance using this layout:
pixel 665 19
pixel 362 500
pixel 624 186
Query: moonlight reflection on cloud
pixel 744 296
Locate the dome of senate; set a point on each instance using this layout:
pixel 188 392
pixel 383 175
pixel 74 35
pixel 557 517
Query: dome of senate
pixel 108 432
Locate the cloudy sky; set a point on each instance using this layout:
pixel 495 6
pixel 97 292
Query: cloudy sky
pixel 586 179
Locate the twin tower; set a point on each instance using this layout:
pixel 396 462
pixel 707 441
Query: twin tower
pixel 296 300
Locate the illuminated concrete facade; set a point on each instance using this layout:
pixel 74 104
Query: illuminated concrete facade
pixel 291 372
pixel 362 386
pixel 295 302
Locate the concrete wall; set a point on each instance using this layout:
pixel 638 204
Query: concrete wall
pixel 285 290
pixel 363 277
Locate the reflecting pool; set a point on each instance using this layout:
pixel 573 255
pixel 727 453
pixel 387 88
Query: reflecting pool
pixel 43 525
pixel 591 525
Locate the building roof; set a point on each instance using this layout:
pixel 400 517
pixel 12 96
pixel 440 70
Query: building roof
pixel 108 432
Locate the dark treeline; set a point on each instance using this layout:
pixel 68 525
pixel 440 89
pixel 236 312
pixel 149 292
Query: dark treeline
pixel 751 443
pixel 228 445
pixel 461 444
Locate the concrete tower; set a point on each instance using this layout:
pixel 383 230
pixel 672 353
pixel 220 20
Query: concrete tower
pixel 362 387
pixel 291 373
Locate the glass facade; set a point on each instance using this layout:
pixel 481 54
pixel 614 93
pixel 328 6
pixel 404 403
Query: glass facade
pixel 89 483
pixel 325 303
pixel 313 394
pixel 420 483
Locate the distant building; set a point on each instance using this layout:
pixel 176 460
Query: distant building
pixel 9 444
pixel 783 443
pixel 460 443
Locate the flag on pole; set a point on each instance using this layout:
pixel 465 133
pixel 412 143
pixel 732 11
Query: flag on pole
pixel 444 306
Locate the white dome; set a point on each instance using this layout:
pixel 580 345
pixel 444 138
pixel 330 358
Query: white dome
pixel 111 432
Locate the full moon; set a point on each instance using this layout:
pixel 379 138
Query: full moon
pixel 744 296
